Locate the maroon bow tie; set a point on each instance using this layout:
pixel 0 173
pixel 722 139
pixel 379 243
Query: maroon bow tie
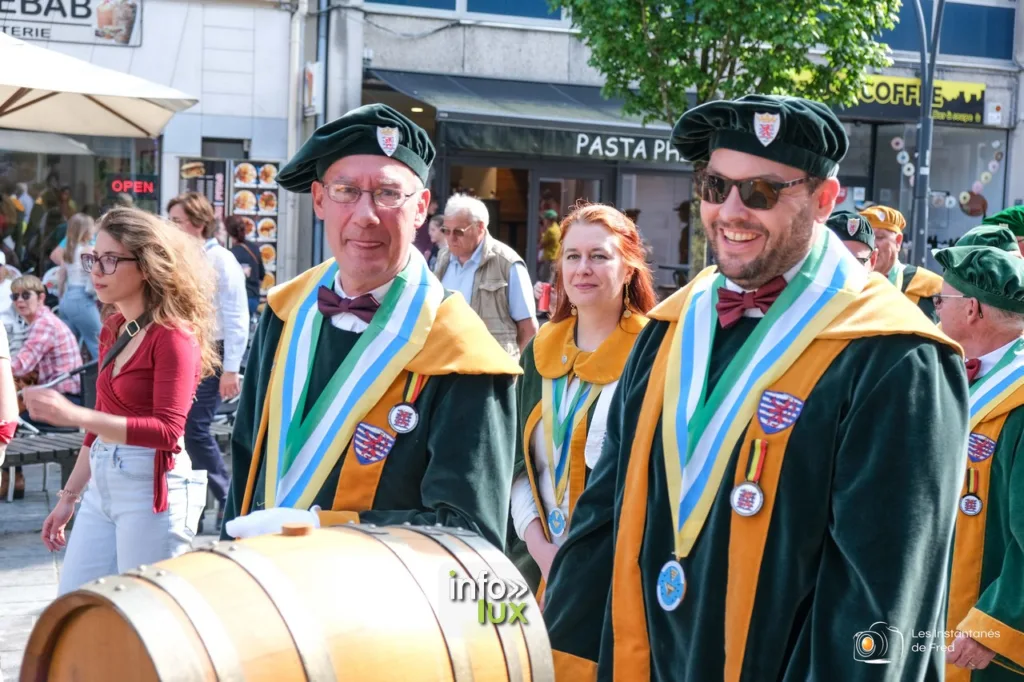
pixel 331 304
pixel 973 367
pixel 731 304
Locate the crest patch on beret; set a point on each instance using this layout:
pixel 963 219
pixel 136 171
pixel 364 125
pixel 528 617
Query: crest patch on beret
pixel 388 139
pixel 766 127
pixel 852 225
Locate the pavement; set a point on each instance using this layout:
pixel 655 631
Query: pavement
pixel 28 571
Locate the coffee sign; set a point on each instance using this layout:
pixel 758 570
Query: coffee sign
pixel 95 22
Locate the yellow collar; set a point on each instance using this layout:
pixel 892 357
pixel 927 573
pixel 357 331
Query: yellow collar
pixel 555 353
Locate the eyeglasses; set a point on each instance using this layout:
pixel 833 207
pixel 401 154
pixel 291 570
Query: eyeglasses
pixel 108 264
pixel 937 298
pixel 864 260
pixel 757 194
pixel 24 295
pixel 457 232
pixel 382 197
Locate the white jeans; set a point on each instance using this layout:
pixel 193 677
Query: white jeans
pixel 115 529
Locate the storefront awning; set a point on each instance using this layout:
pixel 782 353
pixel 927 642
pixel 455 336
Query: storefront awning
pixel 41 143
pixel 520 103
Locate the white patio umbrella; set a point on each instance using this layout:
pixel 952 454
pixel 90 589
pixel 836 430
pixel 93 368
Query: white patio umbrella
pixel 49 91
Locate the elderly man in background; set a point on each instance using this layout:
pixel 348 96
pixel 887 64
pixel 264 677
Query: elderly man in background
pixel 1012 218
pixel 489 274
pixel 857 236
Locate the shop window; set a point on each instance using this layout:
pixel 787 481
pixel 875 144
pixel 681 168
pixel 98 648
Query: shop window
pixel 968 177
pixel 663 204
pixel 534 9
pixel 990 34
pixel 426 4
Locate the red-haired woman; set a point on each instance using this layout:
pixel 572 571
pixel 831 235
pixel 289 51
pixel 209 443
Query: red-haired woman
pixel 571 368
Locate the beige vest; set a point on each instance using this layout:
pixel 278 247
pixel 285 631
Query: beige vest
pixel 490 290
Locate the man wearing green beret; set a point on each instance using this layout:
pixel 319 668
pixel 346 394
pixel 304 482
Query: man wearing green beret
pixel 857 236
pixel 364 369
pixel 1012 218
pixel 982 307
pixel 696 552
pixel 996 236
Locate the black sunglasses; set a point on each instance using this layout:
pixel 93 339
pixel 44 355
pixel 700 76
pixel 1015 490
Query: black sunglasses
pixel 25 295
pixel 757 194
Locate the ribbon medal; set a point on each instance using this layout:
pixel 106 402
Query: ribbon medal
pixel 671 585
pixel 970 504
pixel 747 498
pixel 403 417
pixel 563 413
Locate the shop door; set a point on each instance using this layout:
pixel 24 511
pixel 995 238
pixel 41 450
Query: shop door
pixel 560 191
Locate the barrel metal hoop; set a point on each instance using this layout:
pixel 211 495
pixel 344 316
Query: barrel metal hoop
pixel 451 628
pixel 160 633
pixel 219 646
pixel 538 646
pixel 310 643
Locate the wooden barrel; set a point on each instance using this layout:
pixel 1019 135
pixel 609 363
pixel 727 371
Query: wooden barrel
pixel 356 602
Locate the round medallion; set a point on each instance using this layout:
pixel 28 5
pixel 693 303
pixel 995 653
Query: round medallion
pixel 403 418
pixel 970 505
pixel 556 522
pixel 671 585
pixel 747 498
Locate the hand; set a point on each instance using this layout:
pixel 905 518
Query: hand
pixel 543 552
pixel 267 521
pixel 230 385
pixel 53 527
pixel 50 407
pixel 968 653
pixel 538 290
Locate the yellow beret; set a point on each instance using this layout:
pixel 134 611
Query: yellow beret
pixel 885 218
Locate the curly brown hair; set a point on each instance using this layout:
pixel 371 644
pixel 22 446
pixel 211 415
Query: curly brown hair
pixel 178 279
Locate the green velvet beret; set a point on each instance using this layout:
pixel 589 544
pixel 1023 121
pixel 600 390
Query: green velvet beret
pixel 375 129
pixel 997 236
pixel 988 274
pixel 789 130
pixel 852 227
pixel 1012 217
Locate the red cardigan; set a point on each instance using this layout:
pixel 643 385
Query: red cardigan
pixel 154 390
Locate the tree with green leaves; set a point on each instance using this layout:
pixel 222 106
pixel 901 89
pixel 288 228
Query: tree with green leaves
pixel 657 54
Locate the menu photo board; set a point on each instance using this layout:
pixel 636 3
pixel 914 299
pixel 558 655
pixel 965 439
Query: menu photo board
pixel 255 196
pixel 92 22
pixel 206 176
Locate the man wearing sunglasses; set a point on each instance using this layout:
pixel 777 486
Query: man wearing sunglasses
pixel 982 307
pixel 372 395
pixel 764 494
pixel 917 284
pixel 857 236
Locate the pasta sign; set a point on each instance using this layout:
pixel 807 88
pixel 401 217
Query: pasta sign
pixel 95 22
pixel 625 148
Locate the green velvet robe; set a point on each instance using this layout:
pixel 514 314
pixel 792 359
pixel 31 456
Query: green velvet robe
pixel 860 533
pixel 1002 567
pixel 455 468
pixel 924 303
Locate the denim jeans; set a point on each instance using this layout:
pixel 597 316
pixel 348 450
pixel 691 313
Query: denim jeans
pixel 115 528
pixel 79 312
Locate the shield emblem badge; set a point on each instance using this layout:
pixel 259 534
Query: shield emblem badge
pixel 371 444
pixel 979 447
pixel 852 225
pixel 388 139
pixel 766 127
pixel 778 411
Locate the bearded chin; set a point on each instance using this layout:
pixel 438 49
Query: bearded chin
pixel 781 252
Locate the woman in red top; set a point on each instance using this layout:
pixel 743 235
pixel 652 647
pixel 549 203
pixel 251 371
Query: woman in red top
pixel 143 501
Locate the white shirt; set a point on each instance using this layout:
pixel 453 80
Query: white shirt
pixel 349 322
pixel 76 276
pixel 788 275
pixel 523 506
pixel 231 304
pixel 990 360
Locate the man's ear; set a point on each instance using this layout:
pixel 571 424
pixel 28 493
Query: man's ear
pixel 827 194
pixel 874 258
pixel 318 199
pixel 899 240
